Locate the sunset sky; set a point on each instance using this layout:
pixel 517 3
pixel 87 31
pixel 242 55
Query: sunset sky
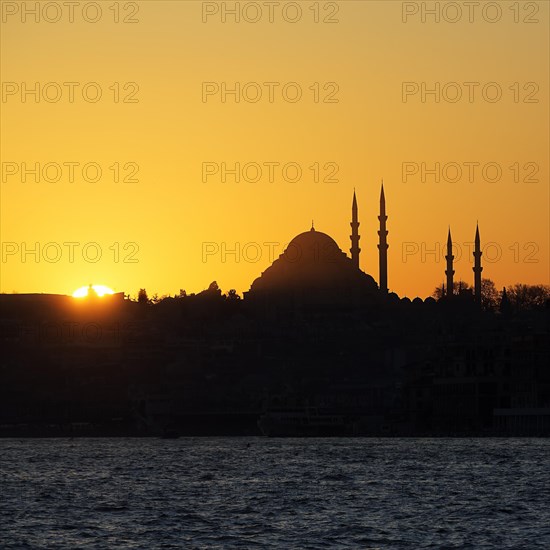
pixel 168 228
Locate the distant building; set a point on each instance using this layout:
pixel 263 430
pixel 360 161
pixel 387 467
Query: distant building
pixel 466 295
pixel 314 271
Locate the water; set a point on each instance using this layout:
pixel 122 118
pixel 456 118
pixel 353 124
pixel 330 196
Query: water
pixel 275 493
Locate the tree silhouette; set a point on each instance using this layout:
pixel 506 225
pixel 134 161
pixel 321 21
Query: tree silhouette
pixel 490 296
pixel 524 297
pixel 458 286
pixel 232 296
pixel 504 306
pixel 214 288
pixel 142 296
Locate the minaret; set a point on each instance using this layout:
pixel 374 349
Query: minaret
pixel 355 250
pixel 477 269
pixel 382 243
pixel 449 271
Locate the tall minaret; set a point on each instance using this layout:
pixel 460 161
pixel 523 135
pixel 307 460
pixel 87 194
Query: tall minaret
pixel 449 271
pixel 477 269
pixel 382 243
pixel 355 250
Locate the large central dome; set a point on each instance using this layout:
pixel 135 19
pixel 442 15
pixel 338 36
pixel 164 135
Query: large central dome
pixel 313 246
pixel 313 269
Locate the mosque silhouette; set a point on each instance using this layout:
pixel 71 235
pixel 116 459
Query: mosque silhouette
pixel 313 270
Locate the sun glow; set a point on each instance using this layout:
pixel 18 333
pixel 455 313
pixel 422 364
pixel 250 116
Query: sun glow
pixel 99 290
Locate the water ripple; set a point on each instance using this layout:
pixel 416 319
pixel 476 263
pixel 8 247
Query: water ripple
pixel 275 493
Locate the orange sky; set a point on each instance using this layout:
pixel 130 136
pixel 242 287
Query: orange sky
pixel 168 226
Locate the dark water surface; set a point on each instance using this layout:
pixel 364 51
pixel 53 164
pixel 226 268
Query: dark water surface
pixel 275 493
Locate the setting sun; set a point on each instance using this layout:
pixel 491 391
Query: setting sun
pixel 100 290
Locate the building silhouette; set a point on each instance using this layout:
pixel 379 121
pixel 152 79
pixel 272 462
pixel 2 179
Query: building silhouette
pixel 354 237
pixel 383 245
pixel 477 269
pixel 316 340
pixel 449 293
pixel 314 271
pixel 449 271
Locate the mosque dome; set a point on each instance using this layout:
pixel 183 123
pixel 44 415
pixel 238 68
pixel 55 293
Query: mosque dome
pixel 313 269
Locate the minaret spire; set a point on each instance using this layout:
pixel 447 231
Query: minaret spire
pixel 382 243
pixel 477 269
pixel 449 271
pixel 354 237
